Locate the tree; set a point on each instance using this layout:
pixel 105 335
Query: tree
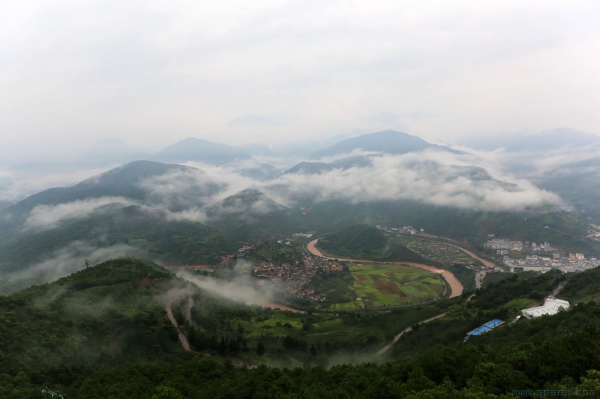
pixel 163 392
pixel 222 346
pixel 260 348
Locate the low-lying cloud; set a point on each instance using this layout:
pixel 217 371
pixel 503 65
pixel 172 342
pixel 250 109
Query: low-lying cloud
pixel 44 217
pixel 436 178
pixel 241 288
pixel 63 262
pixel 181 189
pixel 16 185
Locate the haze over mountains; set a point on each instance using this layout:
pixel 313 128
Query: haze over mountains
pixel 241 196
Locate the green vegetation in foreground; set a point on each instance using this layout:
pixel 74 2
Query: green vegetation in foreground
pixel 114 314
pixel 582 287
pixel 553 353
pixel 496 277
pixel 104 315
pixel 377 285
pixel 558 352
pixel 272 251
pixel 503 300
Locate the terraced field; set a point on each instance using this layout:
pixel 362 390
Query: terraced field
pixel 376 285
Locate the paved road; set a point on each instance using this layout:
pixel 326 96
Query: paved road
pixel 455 285
pixel 409 329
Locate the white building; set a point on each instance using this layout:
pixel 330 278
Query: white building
pixel 550 307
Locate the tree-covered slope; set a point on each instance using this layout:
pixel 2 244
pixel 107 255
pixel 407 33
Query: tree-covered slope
pixel 583 286
pixel 250 215
pixel 357 239
pixel 110 314
pixel 554 353
pixel 34 258
pixel 565 230
pixel 272 251
pixel 366 242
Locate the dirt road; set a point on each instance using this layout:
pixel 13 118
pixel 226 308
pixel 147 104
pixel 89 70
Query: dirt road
pixel 455 285
pixel 182 339
pixel 409 329
pixel 274 305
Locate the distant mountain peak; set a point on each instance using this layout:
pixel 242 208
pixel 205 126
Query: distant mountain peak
pixel 387 142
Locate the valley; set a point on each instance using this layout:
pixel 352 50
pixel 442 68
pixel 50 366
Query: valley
pixel 167 265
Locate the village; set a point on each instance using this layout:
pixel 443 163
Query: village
pixel 293 277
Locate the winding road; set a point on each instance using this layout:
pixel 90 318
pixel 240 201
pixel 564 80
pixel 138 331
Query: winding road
pixel 456 286
pixel 406 330
pixel 182 339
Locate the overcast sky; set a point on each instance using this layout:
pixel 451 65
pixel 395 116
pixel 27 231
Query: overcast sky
pixel 154 72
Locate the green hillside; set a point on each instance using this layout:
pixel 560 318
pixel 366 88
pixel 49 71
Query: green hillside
pixel 109 314
pixel 250 215
pixel 366 242
pixel 552 353
pixel 582 287
pixel 272 251
pixel 565 230
pixel 355 239
pixel 143 232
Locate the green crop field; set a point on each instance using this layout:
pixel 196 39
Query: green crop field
pixel 376 285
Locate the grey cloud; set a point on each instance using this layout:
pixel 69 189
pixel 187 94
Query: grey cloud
pixel 242 288
pixel 44 217
pixel 16 185
pixel 63 262
pixel 254 120
pixel 489 67
pixel 181 189
pixel 434 178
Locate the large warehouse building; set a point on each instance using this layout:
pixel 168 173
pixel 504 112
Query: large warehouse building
pixel 550 307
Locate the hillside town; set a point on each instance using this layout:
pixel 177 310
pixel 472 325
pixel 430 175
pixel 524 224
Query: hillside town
pixel 574 262
pixel 567 264
pixel 503 246
pixel 294 276
pixel 400 230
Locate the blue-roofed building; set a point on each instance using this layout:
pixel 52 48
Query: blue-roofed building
pixel 485 328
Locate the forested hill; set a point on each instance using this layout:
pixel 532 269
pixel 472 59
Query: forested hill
pixel 128 230
pixel 366 242
pixel 555 353
pixel 354 239
pixel 103 332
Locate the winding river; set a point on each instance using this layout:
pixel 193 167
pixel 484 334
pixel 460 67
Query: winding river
pixel 455 285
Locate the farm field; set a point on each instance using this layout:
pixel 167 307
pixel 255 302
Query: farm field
pixel 378 285
pixel 438 251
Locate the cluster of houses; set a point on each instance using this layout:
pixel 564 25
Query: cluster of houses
pixel 567 264
pixel 400 230
pixel 594 235
pixel 293 277
pixel 503 246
